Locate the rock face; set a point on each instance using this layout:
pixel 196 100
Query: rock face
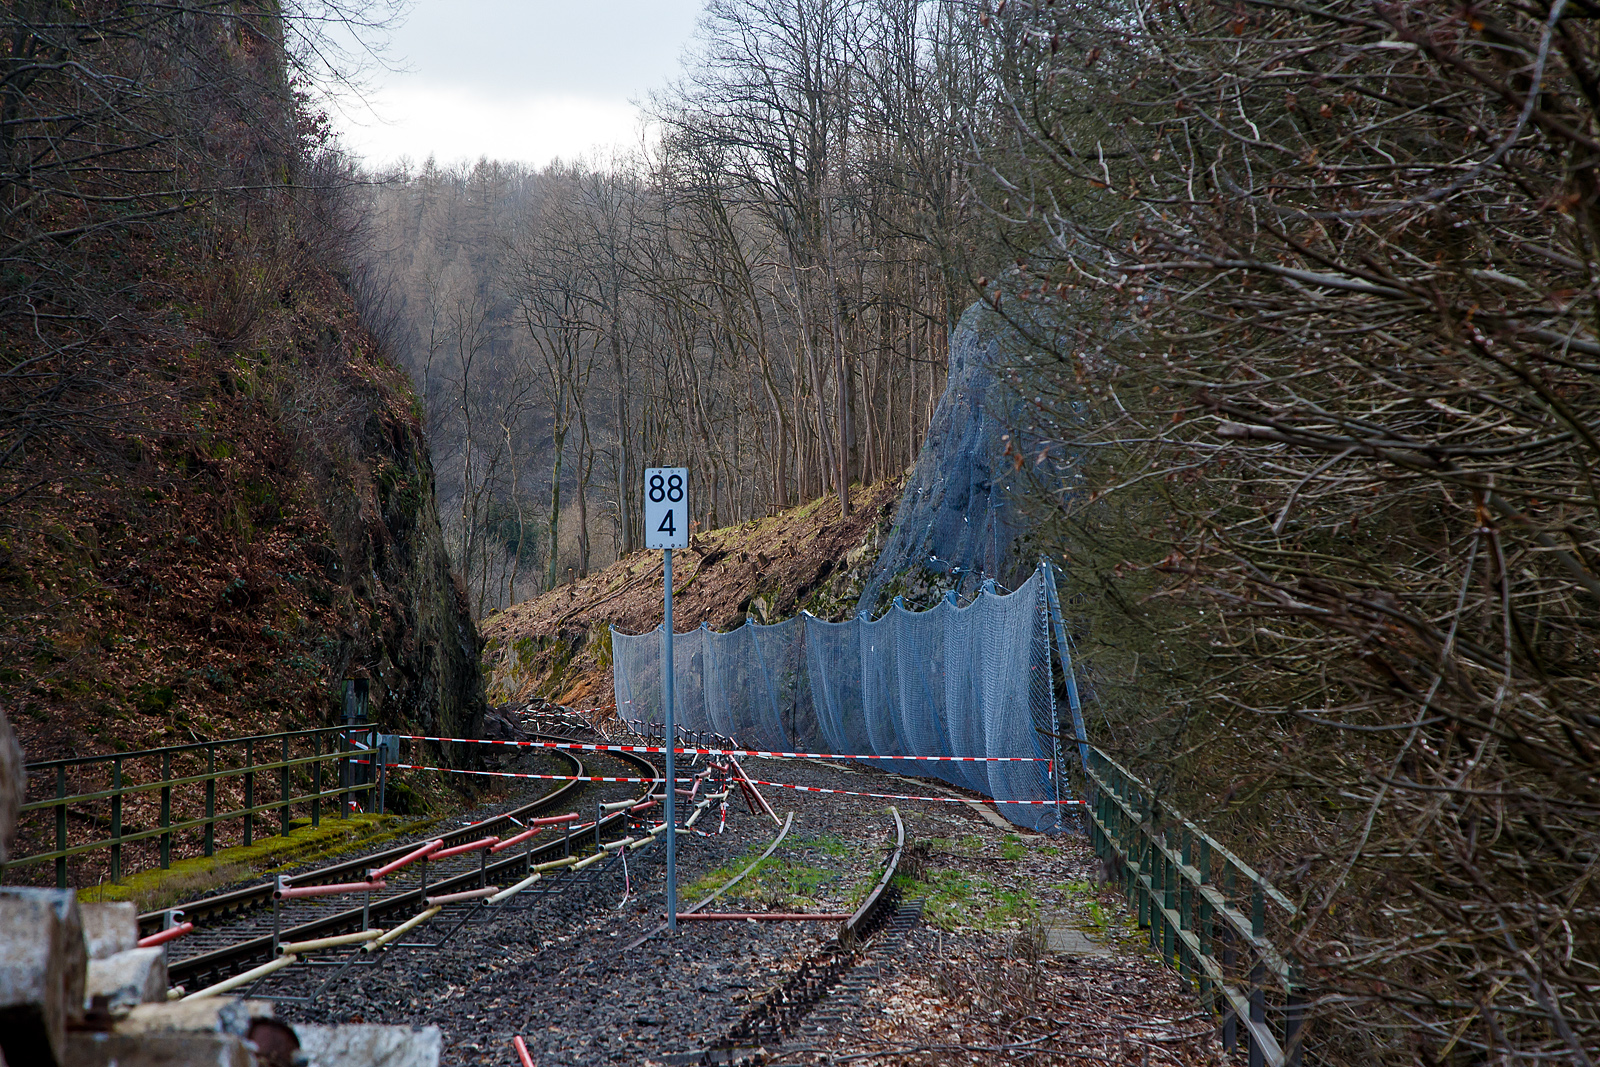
pixel 410 630
pixel 956 524
pixel 299 545
pixel 42 970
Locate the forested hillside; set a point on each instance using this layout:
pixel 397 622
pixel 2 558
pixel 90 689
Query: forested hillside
pixel 1295 309
pixel 1299 307
pixel 217 495
pixel 769 289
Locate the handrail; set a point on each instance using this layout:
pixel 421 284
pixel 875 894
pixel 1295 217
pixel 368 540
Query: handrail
pixel 1193 924
pixel 193 779
pixel 186 824
pixel 194 746
pixel 234 750
pixel 254 895
pixel 1217 848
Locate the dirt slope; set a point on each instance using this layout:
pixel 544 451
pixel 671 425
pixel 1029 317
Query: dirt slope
pixel 557 646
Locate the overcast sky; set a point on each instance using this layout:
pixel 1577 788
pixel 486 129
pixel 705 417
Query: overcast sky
pixel 526 80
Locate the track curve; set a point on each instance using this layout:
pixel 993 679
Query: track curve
pixel 214 965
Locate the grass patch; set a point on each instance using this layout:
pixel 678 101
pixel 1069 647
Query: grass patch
pixel 957 900
pixel 788 880
pixel 1108 924
pixel 188 878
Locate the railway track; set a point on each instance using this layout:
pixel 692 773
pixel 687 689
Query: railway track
pixel 882 916
pixel 242 929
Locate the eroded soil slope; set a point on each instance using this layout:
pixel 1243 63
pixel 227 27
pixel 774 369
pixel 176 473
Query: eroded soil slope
pixel 810 558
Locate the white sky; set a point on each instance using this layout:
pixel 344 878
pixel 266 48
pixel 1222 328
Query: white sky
pixel 525 80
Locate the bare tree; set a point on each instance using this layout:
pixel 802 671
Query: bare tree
pixel 1308 292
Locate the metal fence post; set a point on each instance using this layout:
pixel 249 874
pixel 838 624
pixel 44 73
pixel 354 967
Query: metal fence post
pixel 61 828
pixel 1185 902
pixel 211 800
pixel 166 810
pixel 116 820
pixel 283 786
pixel 316 781
pixel 1205 931
pixel 1169 902
pixel 249 792
pixel 1146 871
pixel 346 772
pixel 1258 971
pixel 1294 1014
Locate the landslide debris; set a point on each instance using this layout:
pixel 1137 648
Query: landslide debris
pixel 558 645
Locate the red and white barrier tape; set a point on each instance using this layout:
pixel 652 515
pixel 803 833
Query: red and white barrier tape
pixel 907 796
pixel 688 751
pixel 756 781
pixel 516 774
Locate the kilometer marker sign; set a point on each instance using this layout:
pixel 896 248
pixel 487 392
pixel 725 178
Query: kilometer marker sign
pixel 666 526
pixel 666 507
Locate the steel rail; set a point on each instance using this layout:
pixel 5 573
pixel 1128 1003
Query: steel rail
pixel 735 880
pixel 254 896
pixel 883 897
pixel 781 1010
pixel 225 962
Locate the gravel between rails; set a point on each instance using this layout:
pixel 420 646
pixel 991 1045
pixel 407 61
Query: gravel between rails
pixel 559 977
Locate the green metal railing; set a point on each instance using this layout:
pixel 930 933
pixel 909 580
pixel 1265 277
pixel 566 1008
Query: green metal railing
pixel 91 785
pixel 1206 910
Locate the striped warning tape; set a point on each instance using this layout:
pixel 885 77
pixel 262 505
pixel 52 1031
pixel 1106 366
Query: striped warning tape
pixel 755 781
pixel 690 751
pixel 908 796
pixel 518 774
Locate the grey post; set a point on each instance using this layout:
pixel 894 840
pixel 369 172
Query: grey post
pixel 671 743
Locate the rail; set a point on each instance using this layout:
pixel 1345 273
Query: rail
pixel 1206 911
pixel 780 1012
pixel 883 898
pixel 247 898
pixel 99 791
pixel 222 963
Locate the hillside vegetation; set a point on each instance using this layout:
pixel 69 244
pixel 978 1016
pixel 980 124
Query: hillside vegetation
pixel 218 501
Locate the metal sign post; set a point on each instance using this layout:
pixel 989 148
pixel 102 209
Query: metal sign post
pixel 666 526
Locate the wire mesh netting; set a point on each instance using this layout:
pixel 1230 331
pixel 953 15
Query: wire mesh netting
pixel 957 523
pixel 971 680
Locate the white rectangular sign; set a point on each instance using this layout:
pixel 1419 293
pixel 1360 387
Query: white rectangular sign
pixel 666 507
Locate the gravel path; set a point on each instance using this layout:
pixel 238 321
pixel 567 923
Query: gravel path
pixel 559 976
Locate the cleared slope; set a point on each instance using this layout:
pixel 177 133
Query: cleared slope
pixel 557 646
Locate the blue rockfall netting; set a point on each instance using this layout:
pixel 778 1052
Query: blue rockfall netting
pixel 971 680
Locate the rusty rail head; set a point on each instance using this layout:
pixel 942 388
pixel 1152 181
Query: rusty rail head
pixel 860 924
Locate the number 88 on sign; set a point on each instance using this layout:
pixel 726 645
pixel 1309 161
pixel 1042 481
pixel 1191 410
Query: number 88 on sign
pixel 666 507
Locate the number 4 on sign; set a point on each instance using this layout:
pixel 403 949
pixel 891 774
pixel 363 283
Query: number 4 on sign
pixel 666 507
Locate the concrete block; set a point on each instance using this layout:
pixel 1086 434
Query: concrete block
pixel 137 976
pixel 369 1046
pixel 43 964
pixel 222 1015
pixel 109 928
pixel 158 1050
